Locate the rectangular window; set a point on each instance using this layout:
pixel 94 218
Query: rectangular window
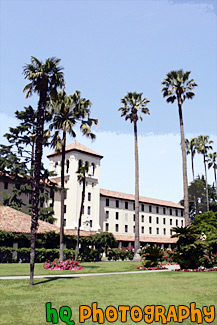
pixel 176 213
pixel 150 230
pixel 142 218
pixel 164 231
pixel 150 208
pixel 64 208
pixel 157 220
pixel 176 222
pixel 126 205
pixel 117 215
pixel 106 227
pixel 116 227
pixel 182 213
pixel 171 222
pixel 17 186
pixel 157 209
pixel 107 214
pixel 134 217
pixel 182 223
pixel 142 207
pixel 88 211
pixel 117 204
pixel 164 221
pixel 134 206
pixel 65 195
pixel 89 196
pixel 64 223
pixel 134 229
pixel 171 232
pixel 171 212
pixel 164 210
pixel 41 204
pixel 142 230
pixel 91 223
pixel 107 202
pixel 5 185
pixel 150 219
pixel 126 228
pixel 157 231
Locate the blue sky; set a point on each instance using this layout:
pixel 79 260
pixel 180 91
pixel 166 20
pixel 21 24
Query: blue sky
pixel 107 49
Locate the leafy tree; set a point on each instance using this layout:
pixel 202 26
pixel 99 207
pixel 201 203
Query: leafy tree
pixel 132 104
pixel 67 111
pixel 203 146
pixel 103 241
pixel 45 79
pixel 191 149
pixel 212 162
pixel 177 86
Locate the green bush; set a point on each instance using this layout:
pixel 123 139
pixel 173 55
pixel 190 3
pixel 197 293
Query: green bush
pixel 151 255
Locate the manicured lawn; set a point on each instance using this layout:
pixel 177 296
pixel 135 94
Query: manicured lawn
pixel 22 304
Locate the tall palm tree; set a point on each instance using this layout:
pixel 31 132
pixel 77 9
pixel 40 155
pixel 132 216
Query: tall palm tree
pixel 191 149
pixel 176 86
pixel 132 103
pixel 82 172
pixel 203 146
pixel 67 112
pixel 45 78
pixel 212 162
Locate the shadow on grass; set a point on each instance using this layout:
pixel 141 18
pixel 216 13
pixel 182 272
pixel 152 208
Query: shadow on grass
pixel 54 279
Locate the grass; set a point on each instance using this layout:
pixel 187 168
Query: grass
pixel 24 305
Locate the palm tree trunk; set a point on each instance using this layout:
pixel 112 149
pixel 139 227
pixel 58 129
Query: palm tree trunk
pixel 36 179
pixel 207 194
pixel 215 178
pixel 184 165
pixel 62 196
pixel 195 196
pixel 136 257
pixel 80 215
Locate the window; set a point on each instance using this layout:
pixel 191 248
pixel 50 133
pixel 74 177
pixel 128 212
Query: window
pixel 157 209
pixel 150 208
pixel 67 166
pixel 157 220
pixel 116 227
pixel 142 218
pixel 126 205
pixel 164 231
pixel 176 222
pixel 164 221
pixel 93 184
pixel 164 210
pixel 176 213
pixel 41 204
pixel 65 208
pixel 134 206
pixel 56 168
pixel 182 223
pixel 126 228
pixel 134 229
pixel 5 185
pixel 88 211
pixel 17 186
pixel 106 227
pixel 91 223
pixel 89 196
pixel 107 202
pixel 117 204
pixel 92 169
pixel 171 232
pixel 171 212
pixel 134 217
pixel 117 215
pixel 171 222
pixel 107 214
pixel 64 223
pixel 150 219
pixel 142 230
pixel 157 231
pixel 143 207
pixel 150 230
pixel 182 213
pixel 51 204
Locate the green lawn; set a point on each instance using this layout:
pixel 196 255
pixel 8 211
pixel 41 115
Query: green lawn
pixel 22 304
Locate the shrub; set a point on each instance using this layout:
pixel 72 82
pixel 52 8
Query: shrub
pixel 60 265
pixel 151 255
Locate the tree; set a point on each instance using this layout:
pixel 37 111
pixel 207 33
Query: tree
pixel 45 79
pixel 176 86
pixel 212 162
pixel 191 149
pixel 67 111
pixel 132 103
pixel 203 146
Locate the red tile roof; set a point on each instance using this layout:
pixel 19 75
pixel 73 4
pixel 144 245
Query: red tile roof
pixel 142 199
pixel 74 232
pixel 12 220
pixel 76 146
pixel 147 239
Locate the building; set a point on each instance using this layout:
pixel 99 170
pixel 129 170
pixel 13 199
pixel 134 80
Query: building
pixel 106 210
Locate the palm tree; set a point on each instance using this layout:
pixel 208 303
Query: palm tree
pixel 132 103
pixel 67 112
pixel 203 146
pixel 44 79
pixel 191 149
pixel 176 86
pixel 212 162
pixel 82 172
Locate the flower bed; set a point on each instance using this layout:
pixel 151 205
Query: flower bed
pixel 151 268
pixel 198 270
pixel 60 265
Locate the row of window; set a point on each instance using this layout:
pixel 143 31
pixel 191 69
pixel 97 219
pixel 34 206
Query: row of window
pixel 142 207
pixel 142 229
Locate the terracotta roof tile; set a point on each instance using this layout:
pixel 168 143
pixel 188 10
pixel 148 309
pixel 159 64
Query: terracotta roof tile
pixel 147 239
pixel 76 146
pixel 74 232
pixel 142 199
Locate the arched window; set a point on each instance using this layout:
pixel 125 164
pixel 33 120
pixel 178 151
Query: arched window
pixel 87 165
pixel 93 169
pixel 67 166
pixel 80 163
